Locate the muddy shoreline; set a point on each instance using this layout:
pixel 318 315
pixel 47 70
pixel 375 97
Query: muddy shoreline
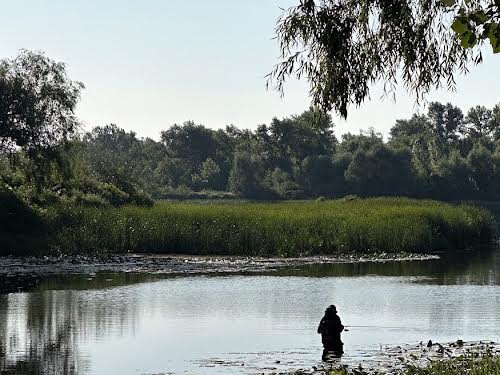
pixel 396 360
pixel 181 264
pixel 22 273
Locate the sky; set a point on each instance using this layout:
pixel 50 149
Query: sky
pixel 150 64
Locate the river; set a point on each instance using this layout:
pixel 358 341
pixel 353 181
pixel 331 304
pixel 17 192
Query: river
pixel 151 324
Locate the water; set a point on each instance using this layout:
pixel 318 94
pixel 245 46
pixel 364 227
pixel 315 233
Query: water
pixel 143 324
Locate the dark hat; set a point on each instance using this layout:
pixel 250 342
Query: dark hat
pixel 331 308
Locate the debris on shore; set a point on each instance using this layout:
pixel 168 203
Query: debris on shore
pixel 16 274
pixel 398 359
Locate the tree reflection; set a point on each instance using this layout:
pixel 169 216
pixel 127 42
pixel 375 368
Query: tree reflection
pixel 41 332
pixel 37 338
pixel 481 268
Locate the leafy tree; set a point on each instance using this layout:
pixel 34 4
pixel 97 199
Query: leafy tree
pixel 37 120
pixel 427 150
pixel 190 142
pixel 323 176
pixel 37 103
pixel 246 175
pixel 208 176
pixel 455 178
pixel 343 46
pixel 481 122
pixel 173 172
pixel 380 171
pixel 364 141
pixel 282 183
pixel 476 22
pixel 292 139
pixel 406 130
pixel 482 166
pixel 446 120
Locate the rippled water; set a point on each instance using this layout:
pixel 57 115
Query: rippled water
pixel 141 324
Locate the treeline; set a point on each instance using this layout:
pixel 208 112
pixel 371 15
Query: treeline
pixel 45 159
pixel 443 155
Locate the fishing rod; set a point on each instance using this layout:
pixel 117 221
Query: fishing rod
pixel 347 327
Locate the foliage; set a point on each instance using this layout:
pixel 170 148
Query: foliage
pixel 37 103
pixel 22 229
pixel 442 154
pixel 476 22
pixel 342 47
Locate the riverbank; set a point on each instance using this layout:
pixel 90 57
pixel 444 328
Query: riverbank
pixel 18 273
pixel 426 358
pixel 287 229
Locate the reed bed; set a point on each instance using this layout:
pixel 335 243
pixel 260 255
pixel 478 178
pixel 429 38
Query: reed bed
pixel 273 229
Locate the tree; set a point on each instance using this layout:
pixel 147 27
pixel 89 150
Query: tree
pixel 446 120
pixel 364 141
pixel 481 122
pixel 427 150
pixel 380 171
pixel 37 103
pixel 404 132
pixel 455 178
pixel 320 175
pixel 482 165
pixel 294 138
pixel 476 21
pixel 342 46
pixel 282 183
pixel 208 176
pixel 246 175
pixel 191 142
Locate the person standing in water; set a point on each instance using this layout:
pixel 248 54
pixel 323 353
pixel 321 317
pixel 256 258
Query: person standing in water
pixel 330 328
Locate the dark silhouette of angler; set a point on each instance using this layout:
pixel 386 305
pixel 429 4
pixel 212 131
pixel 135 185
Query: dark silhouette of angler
pixel 330 328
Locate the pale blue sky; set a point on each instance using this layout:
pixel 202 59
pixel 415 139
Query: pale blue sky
pixel 151 63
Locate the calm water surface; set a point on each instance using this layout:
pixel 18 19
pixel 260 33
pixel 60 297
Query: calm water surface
pixel 143 324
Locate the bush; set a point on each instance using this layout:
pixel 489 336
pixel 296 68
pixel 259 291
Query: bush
pixel 21 227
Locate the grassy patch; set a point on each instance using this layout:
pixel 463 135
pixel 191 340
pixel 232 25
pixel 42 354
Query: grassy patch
pixel 283 229
pixel 471 365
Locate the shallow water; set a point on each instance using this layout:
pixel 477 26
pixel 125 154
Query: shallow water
pixel 146 324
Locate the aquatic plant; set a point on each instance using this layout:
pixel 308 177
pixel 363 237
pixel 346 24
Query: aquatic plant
pixel 465 365
pixel 272 229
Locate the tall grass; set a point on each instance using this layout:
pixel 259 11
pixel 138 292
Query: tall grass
pixel 283 229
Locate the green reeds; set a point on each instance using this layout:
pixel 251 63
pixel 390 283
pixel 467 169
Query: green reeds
pixel 272 229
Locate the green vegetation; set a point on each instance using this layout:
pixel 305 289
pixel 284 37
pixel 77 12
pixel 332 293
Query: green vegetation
pixel 280 229
pixel 46 159
pixel 342 47
pixel 486 364
pixel 72 191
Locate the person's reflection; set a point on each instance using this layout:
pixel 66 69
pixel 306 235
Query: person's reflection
pixel 330 328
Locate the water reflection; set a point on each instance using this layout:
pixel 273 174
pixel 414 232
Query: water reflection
pixel 41 331
pixel 130 324
pixel 37 335
pixel 458 269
